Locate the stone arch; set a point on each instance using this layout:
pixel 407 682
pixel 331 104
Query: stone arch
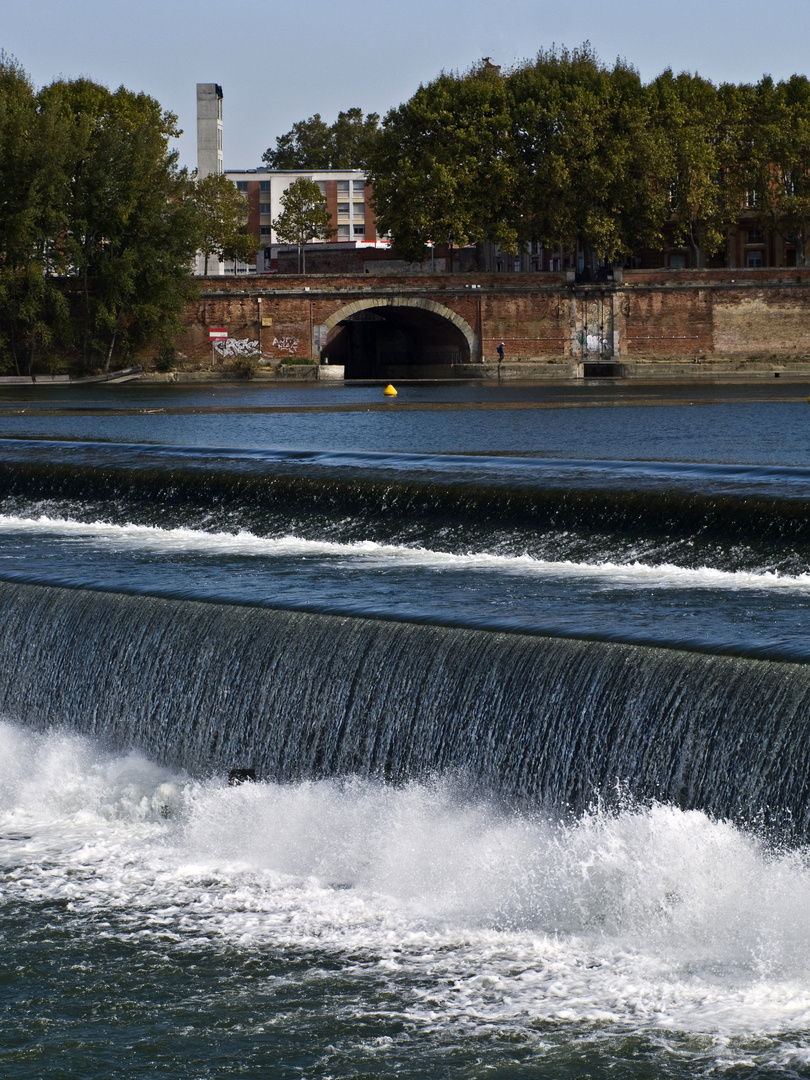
pixel 409 302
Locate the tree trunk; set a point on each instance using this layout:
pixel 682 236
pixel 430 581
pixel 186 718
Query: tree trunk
pixel 110 352
pixel 696 252
pixel 86 314
pixel 14 350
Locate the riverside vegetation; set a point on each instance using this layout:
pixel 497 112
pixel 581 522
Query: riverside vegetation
pixel 99 227
pixel 565 150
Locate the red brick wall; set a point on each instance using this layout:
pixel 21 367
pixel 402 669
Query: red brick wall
pixel 657 314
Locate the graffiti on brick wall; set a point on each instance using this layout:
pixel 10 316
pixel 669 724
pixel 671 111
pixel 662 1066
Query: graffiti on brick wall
pixel 236 347
pixel 286 344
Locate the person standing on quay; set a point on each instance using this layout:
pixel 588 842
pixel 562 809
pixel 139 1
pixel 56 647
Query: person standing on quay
pixel 500 357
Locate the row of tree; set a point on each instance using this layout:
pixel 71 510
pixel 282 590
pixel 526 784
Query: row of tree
pixel 567 151
pixel 99 228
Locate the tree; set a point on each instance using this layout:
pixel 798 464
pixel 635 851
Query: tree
pixel 777 140
pixel 702 128
pixel 304 217
pixel 33 189
pixel 314 144
pixel 130 229
pixel 442 167
pixel 223 220
pixel 588 161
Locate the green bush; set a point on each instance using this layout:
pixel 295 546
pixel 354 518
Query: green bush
pixel 245 367
pixel 166 359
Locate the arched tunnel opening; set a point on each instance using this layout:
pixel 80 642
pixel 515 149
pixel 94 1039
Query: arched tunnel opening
pixel 396 342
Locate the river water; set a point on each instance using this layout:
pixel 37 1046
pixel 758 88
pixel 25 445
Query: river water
pixel 523 675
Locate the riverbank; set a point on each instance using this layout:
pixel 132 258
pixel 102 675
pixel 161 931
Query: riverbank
pixel 722 369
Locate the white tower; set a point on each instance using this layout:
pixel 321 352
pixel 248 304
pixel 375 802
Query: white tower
pixel 209 129
pixel 209 149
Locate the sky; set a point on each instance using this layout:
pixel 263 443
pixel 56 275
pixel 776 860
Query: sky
pixel 279 61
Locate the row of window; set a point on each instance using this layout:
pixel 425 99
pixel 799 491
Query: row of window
pixel 753 260
pixel 359 211
pixel 345 188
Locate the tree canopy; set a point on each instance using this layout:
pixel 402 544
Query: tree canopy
pixel 98 227
pixel 443 165
pixel 304 217
pixel 567 151
pixel 224 227
pixel 314 144
pixel 777 173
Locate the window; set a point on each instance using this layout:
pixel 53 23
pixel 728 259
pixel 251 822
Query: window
pixel 241 185
pixel 264 208
pixel 264 185
pixel 754 259
pixel 343 209
pixel 755 236
pixel 359 210
pixel 343 187
pixel 322 185
pixel 751 199
pixel 343 232
pixel 264 230
pixel 359 230
pixel 677 261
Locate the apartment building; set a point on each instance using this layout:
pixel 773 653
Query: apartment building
pixel 347 197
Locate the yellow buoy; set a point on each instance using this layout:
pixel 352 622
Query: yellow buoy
pixel 389 391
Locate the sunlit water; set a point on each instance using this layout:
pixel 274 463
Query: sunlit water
pixel 160 923
pixel 346 928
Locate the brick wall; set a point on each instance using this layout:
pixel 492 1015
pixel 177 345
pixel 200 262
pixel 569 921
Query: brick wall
pixel 651 315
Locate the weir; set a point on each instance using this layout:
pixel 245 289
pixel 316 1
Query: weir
pixel 294 695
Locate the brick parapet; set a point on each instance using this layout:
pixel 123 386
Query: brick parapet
pixel 682 315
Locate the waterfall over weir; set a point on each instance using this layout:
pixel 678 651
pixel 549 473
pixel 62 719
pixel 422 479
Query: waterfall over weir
pixel 296 695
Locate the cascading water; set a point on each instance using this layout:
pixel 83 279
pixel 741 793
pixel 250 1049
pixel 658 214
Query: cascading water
pixel 530 736
pixel 302 696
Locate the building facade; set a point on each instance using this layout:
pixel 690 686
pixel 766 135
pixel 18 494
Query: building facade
pixel 347 197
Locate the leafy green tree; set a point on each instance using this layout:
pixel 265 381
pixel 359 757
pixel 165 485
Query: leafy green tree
pixel 353 139
pixel 443 168
pixel 777 141
pixel 304 217
pixel 33 189
pixel 588 161
pixel 224 220
pixel 314 144
pixel 131 229
pixel 702 127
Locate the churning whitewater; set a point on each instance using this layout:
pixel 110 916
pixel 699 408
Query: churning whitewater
pixel 646 919
pixel 103 538
pixel 530 728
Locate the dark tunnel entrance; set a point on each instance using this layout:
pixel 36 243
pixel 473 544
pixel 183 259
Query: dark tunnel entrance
pixel 387 342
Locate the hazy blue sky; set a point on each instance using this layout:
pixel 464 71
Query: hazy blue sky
pixel 279 61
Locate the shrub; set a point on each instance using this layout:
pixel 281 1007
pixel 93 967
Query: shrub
pixel 245 367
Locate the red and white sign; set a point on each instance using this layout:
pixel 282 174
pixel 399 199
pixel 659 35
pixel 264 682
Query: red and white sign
pixel 218 332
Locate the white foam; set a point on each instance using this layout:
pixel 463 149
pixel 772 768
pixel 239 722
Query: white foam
pixel 633 574
pixel 647 919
